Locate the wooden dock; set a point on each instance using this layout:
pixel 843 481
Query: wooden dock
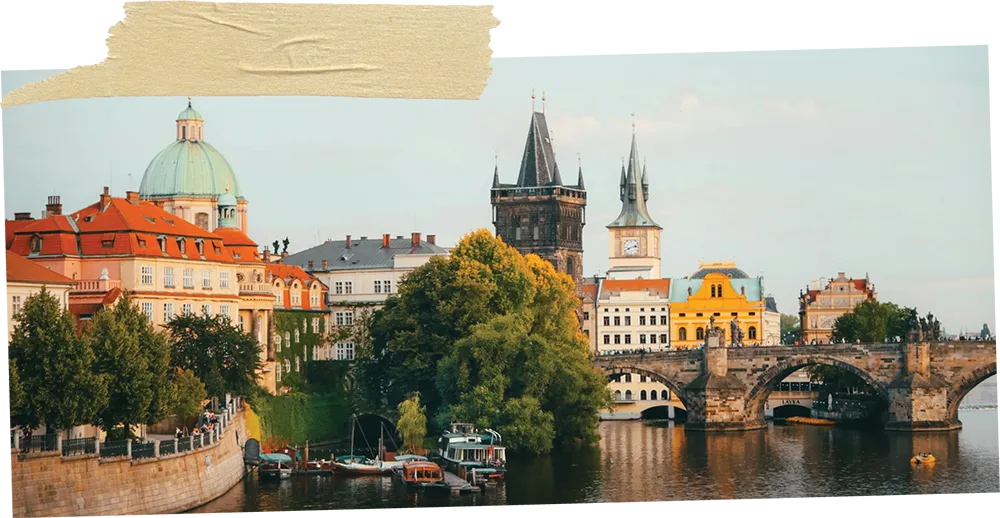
pixel 458 485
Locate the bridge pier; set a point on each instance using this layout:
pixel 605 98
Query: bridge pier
pixel 918 399
pixel 717 397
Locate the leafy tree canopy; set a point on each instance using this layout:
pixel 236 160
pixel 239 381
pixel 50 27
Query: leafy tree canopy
pixel 873 321
pixel 188 394
pixel 790 328
pixel 223 357
pixel 135 360
pixel 480 329
pixel 412 424
pixel 53 367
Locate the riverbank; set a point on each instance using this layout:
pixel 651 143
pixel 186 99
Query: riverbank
pixel 50 484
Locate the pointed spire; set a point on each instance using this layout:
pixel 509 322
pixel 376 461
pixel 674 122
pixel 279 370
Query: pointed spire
pixel 645 181
pixel 621 194
pixel 189 101
pixel 496 171
pixel 579 180
pixel 633 196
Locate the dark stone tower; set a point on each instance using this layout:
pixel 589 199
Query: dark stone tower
pixel 539 214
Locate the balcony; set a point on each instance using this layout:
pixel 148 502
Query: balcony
pixel 256 288
pixel 96 285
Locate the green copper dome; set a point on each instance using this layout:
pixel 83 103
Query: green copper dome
pixel 186 168
pixel 189 114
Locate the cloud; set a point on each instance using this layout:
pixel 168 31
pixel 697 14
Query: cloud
pixel 690 102
pixel 570 129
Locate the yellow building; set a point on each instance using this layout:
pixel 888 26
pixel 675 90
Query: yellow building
pixel 820 305
pixel 722 291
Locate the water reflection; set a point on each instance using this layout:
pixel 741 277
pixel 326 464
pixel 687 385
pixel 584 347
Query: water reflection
pixel 649 461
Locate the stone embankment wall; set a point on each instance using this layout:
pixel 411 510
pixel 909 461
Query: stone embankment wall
pixel 47 484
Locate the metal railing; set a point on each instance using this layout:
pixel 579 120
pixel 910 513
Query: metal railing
pixel 143 450
pixel 81 446
pixel 114 449
pixel 39 443
pixel 168 447
pixel 184 444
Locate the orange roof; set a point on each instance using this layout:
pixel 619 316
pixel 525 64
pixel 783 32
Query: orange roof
pixel 12 225
pixel 239 247
pixel 20 269
pixel 288 273
pixel 659 285
pixel 590 290
pixel 117 226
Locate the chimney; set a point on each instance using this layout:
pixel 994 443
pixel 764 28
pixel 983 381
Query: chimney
pixel 132 197
pixel 324 263
pixel 348 241
pixel 267 255
pixel 840 274
pixel 53 207
pixel 284 254
pixel 432 239
pixel 22 216
pixel 364 238
pixel 399 237
pixel 385 240
pixel 415 239
pixel 105 198
pixel 310 265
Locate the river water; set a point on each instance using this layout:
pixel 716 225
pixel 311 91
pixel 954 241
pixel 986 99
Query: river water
pixel 656 460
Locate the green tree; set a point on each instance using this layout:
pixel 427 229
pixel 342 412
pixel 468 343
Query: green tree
pixel 16 391
pixel 873 321
pixel 188 395
pixel 412 424
pixel 790 329
pixel 54 368
pixel 480 329
pixel 135 360
pixel 223 357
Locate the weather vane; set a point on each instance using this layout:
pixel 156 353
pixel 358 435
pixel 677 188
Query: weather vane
pixel 532 99
pixel 633 122
pixel 543 101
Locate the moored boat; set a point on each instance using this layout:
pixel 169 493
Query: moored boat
pixel 922 458
pixel 421 475
pixel 275 465
pixel 479 458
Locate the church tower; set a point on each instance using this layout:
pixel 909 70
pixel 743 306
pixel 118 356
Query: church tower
pixel 540 214
pixel 633 237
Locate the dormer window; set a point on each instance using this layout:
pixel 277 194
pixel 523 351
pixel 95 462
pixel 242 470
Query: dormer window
pixel 181 244
pixel 162 240
pixel 36 244
pixel 201 247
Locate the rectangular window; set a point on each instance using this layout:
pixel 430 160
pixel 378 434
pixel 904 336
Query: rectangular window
pixel 16 300
pixel 628 320
pixel 188 278
pixel 314 300
pixel 168 277
pixel 277 373
pixel 188 309
pixel 279 299
pixel 642 338
pixel 663 320
pixel 618 339
pixel 642 320
pixel 340 319
pixel 387 286
pixel 168 311
pixel 618 321
pixel 652 339
pixel 347 287
pixel 607 339
pixel 295 299
pixel 628 338
pixel 338 288
pixel 349 318
pixel 663 339
pixel 224 310
pixel 206 279
pixel 224 280
pixel 652 320
pixel 345 351
pixel 315 325
pixel 607 320
pixel 378 286
pixel 297 364
pixel 586 315
pixel 147 275
pixel 147 308
pixel 206 309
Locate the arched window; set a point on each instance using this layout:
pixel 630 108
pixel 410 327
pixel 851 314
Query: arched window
pixel 36 244
pixel 664 395
pixel 618 395
pixel 642 395
pixel 570 266
pixel 184 132
pixel 699 333
pixel 682 333
pixel 713 291
pixel 628 395
pixel 752 333
pixel 652 395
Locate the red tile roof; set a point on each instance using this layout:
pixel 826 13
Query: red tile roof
pixel 20 269
pixel 289 273
pixel 116 226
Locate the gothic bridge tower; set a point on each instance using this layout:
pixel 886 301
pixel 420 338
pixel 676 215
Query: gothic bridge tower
pixel 540 214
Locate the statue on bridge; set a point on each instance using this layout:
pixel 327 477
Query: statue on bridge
pixel 714 336
pixel 735 332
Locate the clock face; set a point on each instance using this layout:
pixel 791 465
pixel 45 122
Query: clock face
pixel 631 247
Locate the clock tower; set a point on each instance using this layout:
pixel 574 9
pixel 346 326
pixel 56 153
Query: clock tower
pixel 633 237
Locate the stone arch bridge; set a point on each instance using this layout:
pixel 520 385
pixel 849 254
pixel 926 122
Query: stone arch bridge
pixel 727 388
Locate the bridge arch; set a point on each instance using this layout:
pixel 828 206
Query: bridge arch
pixel 965 384
pixel 675 387
pixel 768 380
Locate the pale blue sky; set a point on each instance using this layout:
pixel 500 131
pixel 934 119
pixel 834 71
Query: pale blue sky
pixel 799 164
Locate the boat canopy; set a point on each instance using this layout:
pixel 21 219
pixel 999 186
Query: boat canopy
pixel 275 457
pixel 404 458
pixel 350 458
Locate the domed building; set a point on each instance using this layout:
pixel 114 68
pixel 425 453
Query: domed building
pixel 188 177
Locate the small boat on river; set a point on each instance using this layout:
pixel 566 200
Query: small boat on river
pixel 356 465
pixel 922 458
pixel 421 475
pixel 478 457
pixel 275 465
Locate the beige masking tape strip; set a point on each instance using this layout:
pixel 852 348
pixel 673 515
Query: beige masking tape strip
pixel 202 49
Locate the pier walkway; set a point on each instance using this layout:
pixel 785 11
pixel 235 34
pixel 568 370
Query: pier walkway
pixel 457 485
